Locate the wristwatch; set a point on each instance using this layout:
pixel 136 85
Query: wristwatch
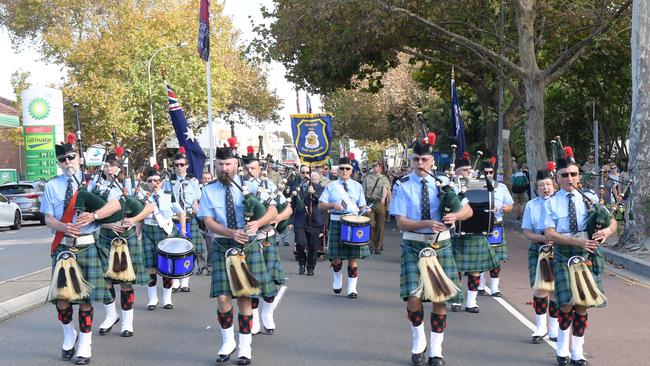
pixel 95 216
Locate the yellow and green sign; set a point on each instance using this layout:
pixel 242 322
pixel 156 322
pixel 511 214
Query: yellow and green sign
pixel 40 159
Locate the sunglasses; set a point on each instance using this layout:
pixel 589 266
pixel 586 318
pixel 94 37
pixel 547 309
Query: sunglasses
pixel 68 157
pixel 306 172
pixel 566 175
pixel 489 172
pixel 180 165
pixel 344 168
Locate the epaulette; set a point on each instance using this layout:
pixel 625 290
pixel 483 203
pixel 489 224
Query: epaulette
pixel 404 179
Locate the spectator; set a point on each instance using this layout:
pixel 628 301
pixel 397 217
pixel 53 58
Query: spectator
pixel 520 185
pixel 590 170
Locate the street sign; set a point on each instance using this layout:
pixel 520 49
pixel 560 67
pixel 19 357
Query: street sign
pixel 40 159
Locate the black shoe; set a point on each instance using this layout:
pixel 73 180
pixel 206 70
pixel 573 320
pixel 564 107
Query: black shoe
pixel 175 290
pixel 436 361
pixel 353 295
pixel 126 333
pixel 81 360
pixel 538 339
pixel 105 331
pixel 224 358
pixel 482 293
pixel 455 307
pixel 579 362
pixel 310 271
pixel 473 310
pixel 168 306
pixel 269 331
pixel 301 269
pixel 244 360
pixel 67 354
pixel 286 245
pixel 152 307
pixel 337 290
pixel 185 289
pixel 417 359
pixel 497 294
pixel 552 339
pixel 562 360
pixel 199 271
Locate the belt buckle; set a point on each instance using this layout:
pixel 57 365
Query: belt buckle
pixel 73 249
pixel 435 245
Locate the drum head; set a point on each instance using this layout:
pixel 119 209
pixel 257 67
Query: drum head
pixel 177 246
pixel 356 219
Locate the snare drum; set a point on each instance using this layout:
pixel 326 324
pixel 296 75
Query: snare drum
pixel 355 230
pixel 175 258
pixel 482 203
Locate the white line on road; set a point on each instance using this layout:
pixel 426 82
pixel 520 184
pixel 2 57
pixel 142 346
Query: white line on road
pixel 25 275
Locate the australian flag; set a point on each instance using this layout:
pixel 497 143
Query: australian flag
pixel 204 30
pixel 457 126
pixel 185 135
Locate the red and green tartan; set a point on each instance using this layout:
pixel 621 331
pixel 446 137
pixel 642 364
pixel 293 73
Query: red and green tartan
pixel 409 278
pixel 337 250
pixel 89 261
pixel 254 260
pixel 473 253
pixel 135 249
pixel 561 255
pixel 273 262
pixel 151 236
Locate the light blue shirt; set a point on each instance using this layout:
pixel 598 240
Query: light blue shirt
pixel 213 202
pixel 534 216
pixel 264 194
pixel 102 185
pixel 331 194
pixel 502 198
pixel 54 198
pixel 165 205
pixel 556 211
pixel 186 188
pixel 407 200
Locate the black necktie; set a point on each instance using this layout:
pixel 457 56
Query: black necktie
pixel 157 199
pixel 345 186
pixel 424 197
pixel 181 193
pixel 573 217
pixel 231 219
pixel 68 193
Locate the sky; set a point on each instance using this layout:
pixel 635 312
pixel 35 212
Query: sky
pixel 27 59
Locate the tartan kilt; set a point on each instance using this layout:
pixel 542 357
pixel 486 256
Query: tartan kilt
pixel 409 277
pixel 254 260
pixel 533 254
pixel 273 262
pixel 336 248
pixel 561 255
pixel 135 249
pixel 473 253
pixel 92 271
pixel 197 238
pixel 151 236
pixel 501 250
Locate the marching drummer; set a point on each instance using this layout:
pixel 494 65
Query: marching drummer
pixel 472 252
pixel 186 191
pixel 222 209
pixel 416 208
pixel 158 226
pixel 340 197
pixel 566 216
pixel 79 239
pixel 266 236
pixel 504 204
pixel 533 226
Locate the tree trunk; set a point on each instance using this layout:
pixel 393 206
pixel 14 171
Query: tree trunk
pixel 637 227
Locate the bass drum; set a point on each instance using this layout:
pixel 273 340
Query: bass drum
pixel 482 202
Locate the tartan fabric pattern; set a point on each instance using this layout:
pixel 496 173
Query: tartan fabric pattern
pixel 501 250
pixel 561 255
pixel 473 253
pixel 409 277
pixel 533 253
pixel 92 270
pixel 135 249
pixel 336 248
pixel 273 262
pixel 254 260
pixel 151 236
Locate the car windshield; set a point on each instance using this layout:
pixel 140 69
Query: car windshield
pixel 16 189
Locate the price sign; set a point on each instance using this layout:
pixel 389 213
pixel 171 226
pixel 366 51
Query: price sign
pixel 40 160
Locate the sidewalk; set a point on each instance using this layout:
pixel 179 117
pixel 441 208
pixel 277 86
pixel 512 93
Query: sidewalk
pixel 23 293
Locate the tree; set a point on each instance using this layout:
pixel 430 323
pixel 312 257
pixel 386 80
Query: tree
pixel 637 228
pixel 103 46
pixel 329 44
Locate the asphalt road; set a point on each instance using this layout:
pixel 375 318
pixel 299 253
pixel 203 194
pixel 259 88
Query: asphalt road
pixel 316 327
pixel 24 251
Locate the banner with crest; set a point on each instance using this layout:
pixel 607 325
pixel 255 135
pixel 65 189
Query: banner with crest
pixel 312 136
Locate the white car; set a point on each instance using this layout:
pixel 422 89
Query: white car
pixel 10 214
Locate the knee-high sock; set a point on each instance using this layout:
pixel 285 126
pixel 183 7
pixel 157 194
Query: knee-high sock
pixel 438 325
pixel 481 285
pixel 418 336
pixel 69 333
pixel 564 333
pixel 267 312
pixel 553 325
pixel 353 277
pixel 578 338
pixel 337 276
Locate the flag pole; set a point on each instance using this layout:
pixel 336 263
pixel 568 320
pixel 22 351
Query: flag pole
pixel 210 132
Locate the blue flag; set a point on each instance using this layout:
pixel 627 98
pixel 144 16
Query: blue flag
pixel 204 30
pixel 457 126
pixel 185 135
pixel 312 136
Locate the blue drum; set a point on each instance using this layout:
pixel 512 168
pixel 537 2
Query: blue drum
pixel 188 224
pixel 496 237
pixel 175 258
pixel 355 230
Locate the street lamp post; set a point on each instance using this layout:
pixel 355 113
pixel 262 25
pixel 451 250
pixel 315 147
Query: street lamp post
pixel 153 134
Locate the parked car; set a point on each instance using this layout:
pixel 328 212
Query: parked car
pixel 27 195
pixel 10 214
